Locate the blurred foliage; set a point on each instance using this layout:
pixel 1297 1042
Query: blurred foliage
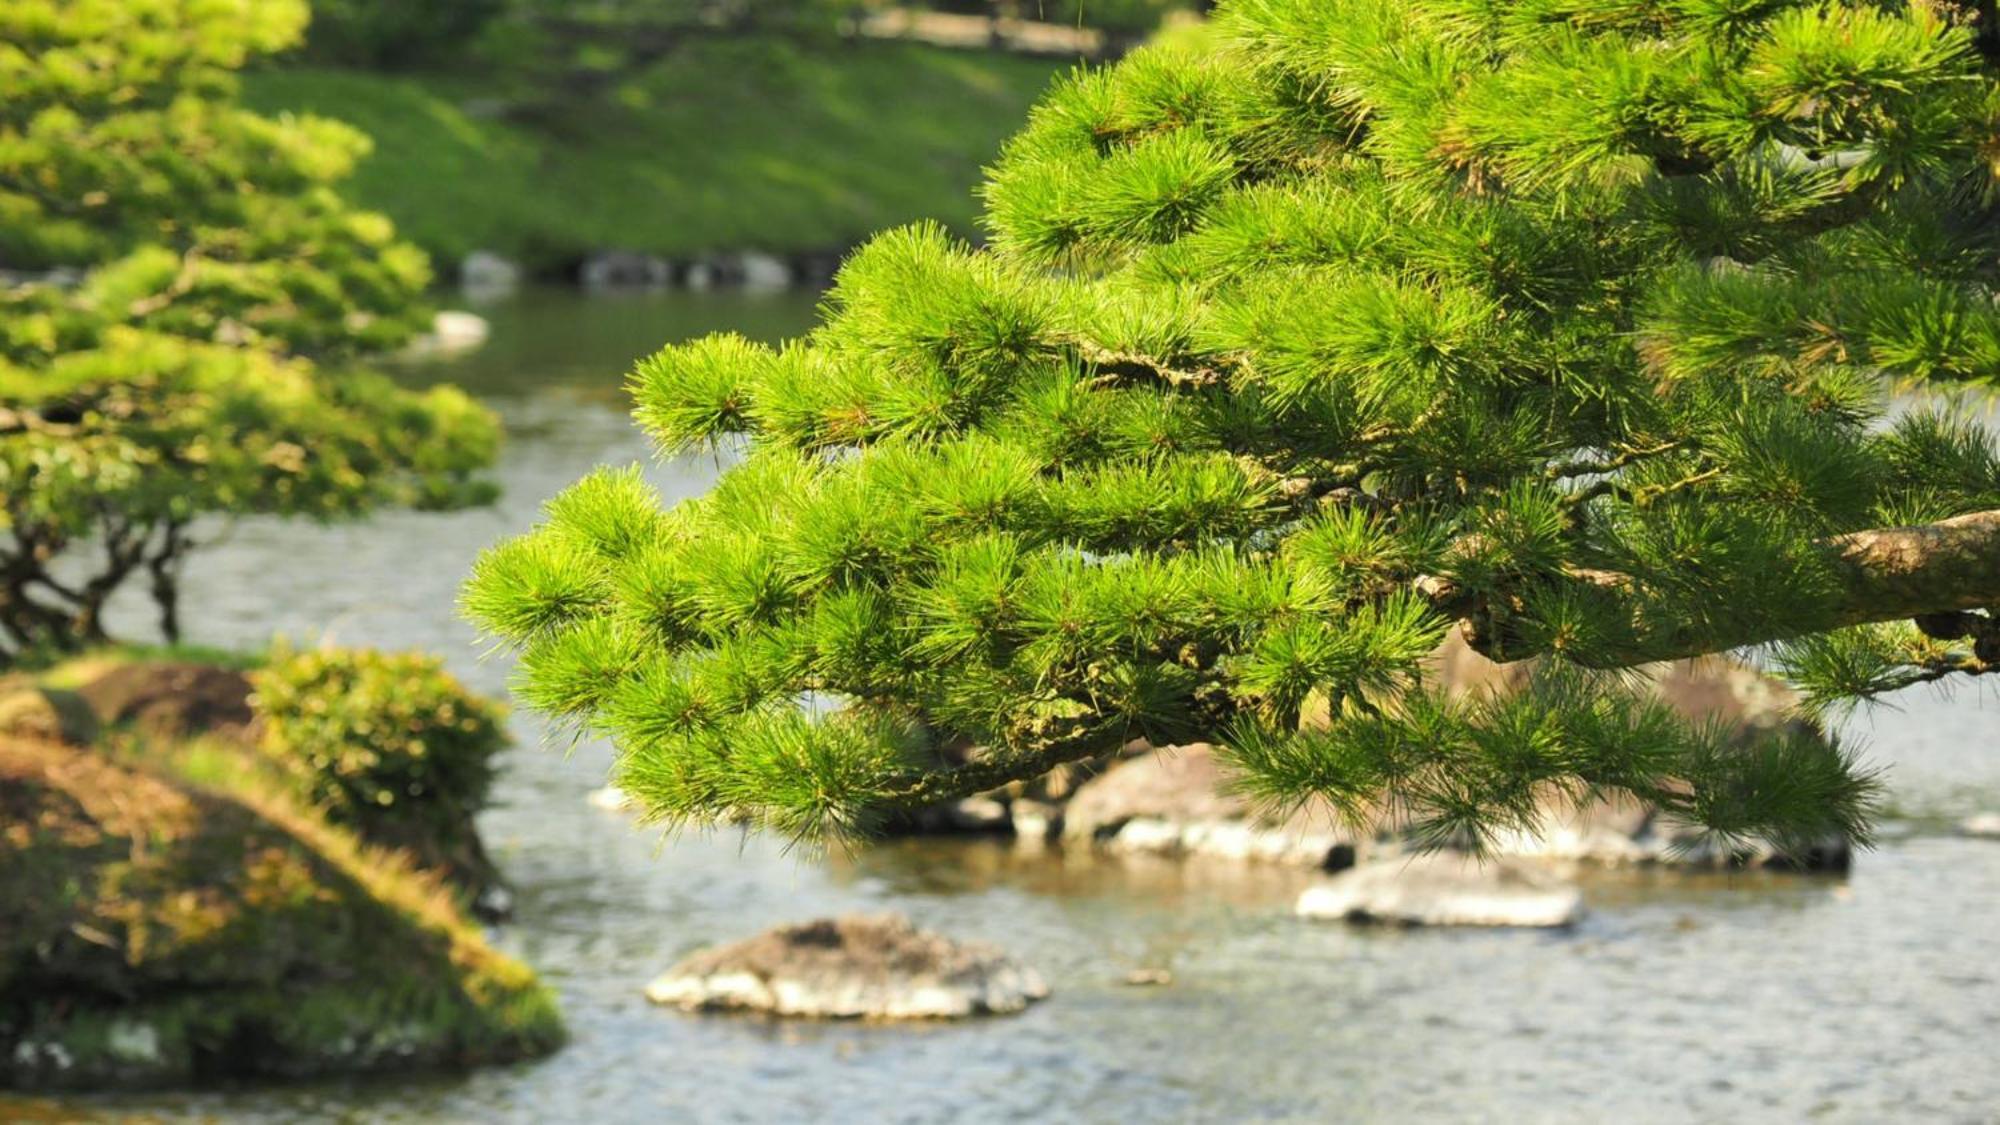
pixel 1296 343
pixel 752 143
pixel 125 151
pixel 396 33
pixel 385 742
pixel 194 255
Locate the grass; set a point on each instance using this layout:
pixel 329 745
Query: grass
pixel 69 671
pixel 743 144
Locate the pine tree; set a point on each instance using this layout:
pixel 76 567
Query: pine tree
pixel 1572 325
pixel 179 263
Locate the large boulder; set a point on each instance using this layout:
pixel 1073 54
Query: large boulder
pixel 1177 801
pixel 171 699
pixel 154 934
pixel 1445 889
pixel 1622 831
pixel 1710 689
pixel 854 967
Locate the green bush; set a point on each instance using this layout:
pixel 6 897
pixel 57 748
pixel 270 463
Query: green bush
pixel 387 742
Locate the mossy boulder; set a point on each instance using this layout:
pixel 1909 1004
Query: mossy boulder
pixel 156 933
pixel 28 710
pixel 171 699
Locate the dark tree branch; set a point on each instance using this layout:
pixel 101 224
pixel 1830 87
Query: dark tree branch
pixel 1884 574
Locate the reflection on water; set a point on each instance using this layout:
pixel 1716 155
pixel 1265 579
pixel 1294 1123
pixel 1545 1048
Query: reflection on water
pixel 1870 999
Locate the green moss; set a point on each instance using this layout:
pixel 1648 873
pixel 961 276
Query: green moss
pixel 161 933
pixel 729 145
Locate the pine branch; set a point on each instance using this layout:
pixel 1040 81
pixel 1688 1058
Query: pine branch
pixel 1883 574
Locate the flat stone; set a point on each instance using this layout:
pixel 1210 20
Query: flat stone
pixel 858 966
pixel 1445 889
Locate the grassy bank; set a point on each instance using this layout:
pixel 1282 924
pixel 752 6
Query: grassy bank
pixel 182 915
pixel 732 145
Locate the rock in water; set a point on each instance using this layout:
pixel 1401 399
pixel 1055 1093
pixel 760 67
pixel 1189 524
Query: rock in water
pixel 763 273
pixel 459 331
pixel 1175 801
pixel 1445 889
pixel 610 799
pixel 1986 826
pixel 486 273
pixel 860 966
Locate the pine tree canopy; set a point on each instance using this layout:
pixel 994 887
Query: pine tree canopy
pixel 185 260
pixel 1598 330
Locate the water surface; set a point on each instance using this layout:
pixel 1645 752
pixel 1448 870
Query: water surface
pixel 1868 999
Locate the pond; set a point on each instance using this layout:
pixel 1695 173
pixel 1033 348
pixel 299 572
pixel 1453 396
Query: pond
pixel 1862 999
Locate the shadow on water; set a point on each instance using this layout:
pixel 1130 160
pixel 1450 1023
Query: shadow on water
pixel 1867 999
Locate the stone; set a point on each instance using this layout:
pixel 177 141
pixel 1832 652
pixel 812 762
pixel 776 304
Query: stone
pixel 1985 826
pixel 624 269
pixel 49 714
pixel 611 799
pixel 488 274
pixel 760 272
pixel 453 332
pixel 1034 822
pixel 172 699
pixel 1445 889
pixel 1710 689
pixel 701 276
pixel 858 966
pixel 1175 801
pixel 972 816
pixel 459 331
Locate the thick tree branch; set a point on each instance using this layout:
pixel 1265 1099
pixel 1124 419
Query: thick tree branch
pixel 1883 574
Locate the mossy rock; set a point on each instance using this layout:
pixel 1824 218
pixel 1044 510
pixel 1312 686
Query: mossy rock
pixel 50 714
pixel 172 699
pixel 154 933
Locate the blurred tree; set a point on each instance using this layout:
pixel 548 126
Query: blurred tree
pixel 1570 326
pixel 583 47
pixel 183 257
pixel 396 33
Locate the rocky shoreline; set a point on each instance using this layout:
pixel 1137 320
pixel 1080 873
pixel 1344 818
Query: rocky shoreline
pixel 484 273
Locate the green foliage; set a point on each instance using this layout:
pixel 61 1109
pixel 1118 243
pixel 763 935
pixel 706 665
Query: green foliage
pixel 379 741
pixel 1294 342
pixel 201 256
pixel 125 150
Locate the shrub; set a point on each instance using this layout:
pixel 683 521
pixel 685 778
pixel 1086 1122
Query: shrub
pixel 388 742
